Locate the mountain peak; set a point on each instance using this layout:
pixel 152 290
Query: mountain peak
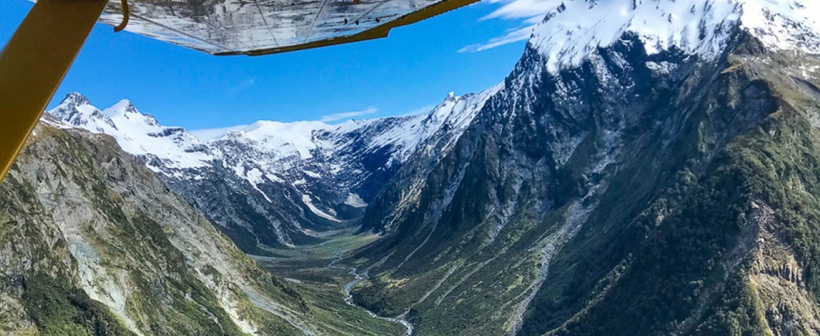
pixel 75 98
pixel 137 133
pixel 122 107
pixel 76 110
pixel 694 27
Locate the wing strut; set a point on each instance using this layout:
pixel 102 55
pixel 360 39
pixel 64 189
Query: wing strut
pixel 33 64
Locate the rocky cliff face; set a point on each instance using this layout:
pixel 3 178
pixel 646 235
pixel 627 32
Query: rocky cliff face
pixel 274 184
pixel 655 181
pixel 94 243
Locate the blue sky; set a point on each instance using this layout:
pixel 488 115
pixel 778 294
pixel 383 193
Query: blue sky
pixel 467 50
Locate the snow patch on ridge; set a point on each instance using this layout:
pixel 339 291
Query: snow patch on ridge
pixel 318 212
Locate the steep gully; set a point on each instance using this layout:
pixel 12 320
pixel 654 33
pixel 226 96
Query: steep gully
pixel 337 257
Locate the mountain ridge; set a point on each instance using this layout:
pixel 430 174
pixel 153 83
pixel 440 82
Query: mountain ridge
pixel 290 180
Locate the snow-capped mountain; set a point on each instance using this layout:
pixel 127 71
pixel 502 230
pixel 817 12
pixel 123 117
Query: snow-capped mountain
pixel 167 149
pixel 574 31
pixel 273 183
pixel 648 168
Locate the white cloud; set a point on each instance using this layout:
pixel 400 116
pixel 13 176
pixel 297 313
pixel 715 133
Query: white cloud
pixel 523 9
pixel 528 12
pixel 346 115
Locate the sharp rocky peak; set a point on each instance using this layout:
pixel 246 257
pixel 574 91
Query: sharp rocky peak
pixel 76 110
pixel 137 133
pixel 75 98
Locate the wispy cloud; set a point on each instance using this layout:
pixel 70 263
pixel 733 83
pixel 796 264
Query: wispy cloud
pixel 528 12
pixel 421 110
pixel 511 37
pixel 244 85
pixel 346 115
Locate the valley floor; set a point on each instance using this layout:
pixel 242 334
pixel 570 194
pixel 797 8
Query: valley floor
pixel 328 276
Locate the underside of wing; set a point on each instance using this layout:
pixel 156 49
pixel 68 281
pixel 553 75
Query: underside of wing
pixel 259 27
